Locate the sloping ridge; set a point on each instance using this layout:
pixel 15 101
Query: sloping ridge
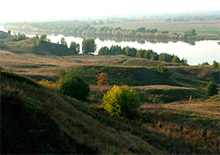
pixel 28 46
pixel 37 120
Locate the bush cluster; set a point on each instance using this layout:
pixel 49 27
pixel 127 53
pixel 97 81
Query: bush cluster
pixel 162 70
pixel 73 86
pixel 212 88
pixel 121 102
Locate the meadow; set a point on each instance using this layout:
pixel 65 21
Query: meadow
pixel 205 28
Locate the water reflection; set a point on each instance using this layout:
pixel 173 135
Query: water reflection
pixel 111 38
pixel 196 52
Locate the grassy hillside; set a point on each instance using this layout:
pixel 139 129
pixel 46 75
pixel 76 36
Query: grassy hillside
pixel 118 67
pixel 32 112
pixel 28 46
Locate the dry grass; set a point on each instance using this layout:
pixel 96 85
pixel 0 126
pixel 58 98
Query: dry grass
pixel 164 87
pixel 161 129
pixel 195 122
pixel 31 64
pixel 78 121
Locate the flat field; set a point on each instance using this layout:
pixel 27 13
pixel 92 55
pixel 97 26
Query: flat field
pixel 206 28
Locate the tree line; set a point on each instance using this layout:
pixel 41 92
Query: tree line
pixel 83 28
pixel 141 53
pixel 89 47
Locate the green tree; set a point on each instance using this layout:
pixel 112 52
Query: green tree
pixel 165 57
pixel 63 41
pixel 43 37
pixel 148 54
pixel 88 46
pixel 116 50
pixel 176 59
pixel 130 51
pixel 103 51
pixel 154 56
pixel 212 88
pixel 140 53
pixel 184 61
pixel 215 64
pixel 121 102
pixel 190 33
pixel 74 48
pixel 73 86
pixel 205 64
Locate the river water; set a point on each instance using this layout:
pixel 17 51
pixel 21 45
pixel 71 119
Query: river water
pixel 201 51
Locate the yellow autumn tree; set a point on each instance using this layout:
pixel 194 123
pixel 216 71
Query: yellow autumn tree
pixel 121 102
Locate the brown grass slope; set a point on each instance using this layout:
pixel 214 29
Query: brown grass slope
pixel 70 120
pixel 73 127
pixel 28 46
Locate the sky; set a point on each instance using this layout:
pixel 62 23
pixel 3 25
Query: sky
pixel 39 10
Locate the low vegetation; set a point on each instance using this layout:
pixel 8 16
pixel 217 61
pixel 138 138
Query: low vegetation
pixel 73 86
pixel 71 126
pixel 168 107
pixel 212 88
pixel 121 102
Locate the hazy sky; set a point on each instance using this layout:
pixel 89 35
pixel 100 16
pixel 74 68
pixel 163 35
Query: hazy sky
pixel 31 10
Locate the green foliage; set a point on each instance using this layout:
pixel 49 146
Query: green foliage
pixel 212 88
pixel 39 40
pixel 215 64
pixel 73 86
pixel 74 48
pixel 154 56
pixel 3 35
pixel 184 61
pixel 103 51
pixel 176 59
pixel 153 31
pixel 140 53
pixel 162 70
pixel 205 64
pixel 43 37
pixel 116 50
pixel 88 46
pixel 63 41
pixel 121 102
pixel 190 33
pixel 130 51
pixel 165 57
pixel 148 54
pixel 141 29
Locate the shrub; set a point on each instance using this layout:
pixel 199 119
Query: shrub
pixel 162 70
pixel 212 88
pixel 103 80
pixel 121 102
pixel 73 86
pixel 47 84
pixel 215 64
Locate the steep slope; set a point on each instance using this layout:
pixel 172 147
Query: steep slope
pixel 35 119
pixel 41 121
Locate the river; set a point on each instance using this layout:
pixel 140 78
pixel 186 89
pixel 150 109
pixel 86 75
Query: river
pixel 199 52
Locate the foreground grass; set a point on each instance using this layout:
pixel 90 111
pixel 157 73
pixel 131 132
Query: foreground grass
pixel 81 129
pixel 196 123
